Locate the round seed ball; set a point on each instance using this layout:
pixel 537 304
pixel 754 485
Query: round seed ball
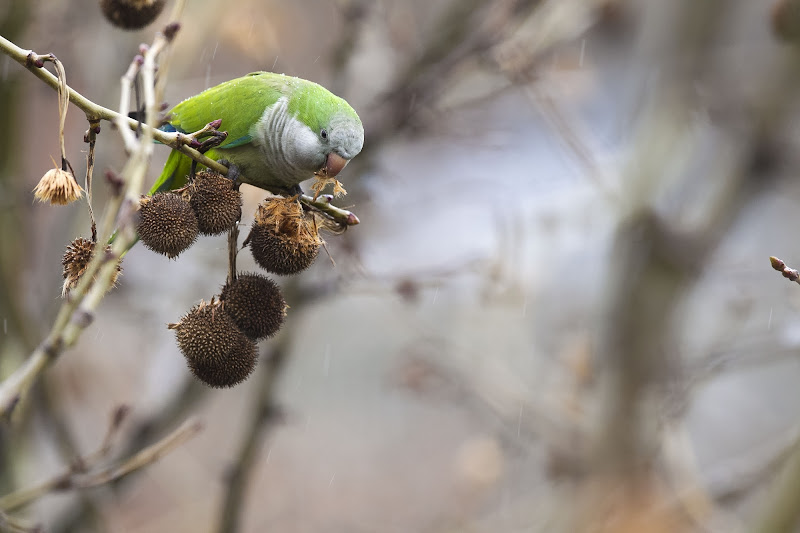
pixel 167 224
pixel 255 304
pixel 283 239
pixel 75 260
pixel 215 202
pixel 217 352
pixel 131 14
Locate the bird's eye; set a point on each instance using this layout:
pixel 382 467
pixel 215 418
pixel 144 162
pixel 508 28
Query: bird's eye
pixel 324 135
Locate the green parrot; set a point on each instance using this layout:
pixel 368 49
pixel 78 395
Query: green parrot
pixel 281 130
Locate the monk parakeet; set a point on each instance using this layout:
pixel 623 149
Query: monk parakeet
pixel 281 130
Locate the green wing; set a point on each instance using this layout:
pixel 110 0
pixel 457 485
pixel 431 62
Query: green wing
pixel 240 103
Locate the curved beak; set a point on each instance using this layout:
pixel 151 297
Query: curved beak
pixel 334 164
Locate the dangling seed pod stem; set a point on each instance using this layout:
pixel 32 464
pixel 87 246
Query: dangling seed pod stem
pixel 58 186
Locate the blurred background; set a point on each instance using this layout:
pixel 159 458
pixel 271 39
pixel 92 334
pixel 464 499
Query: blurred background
pixel 557 313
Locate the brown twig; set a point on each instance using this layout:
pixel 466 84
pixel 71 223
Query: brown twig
pixel 90 137
pixel 78 476
pixel 23 497
pixel 233 246
pixel 789 273
pixel 12 525
pixel 146 456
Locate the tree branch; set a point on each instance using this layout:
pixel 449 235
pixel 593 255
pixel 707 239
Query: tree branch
pixel 265 412
pixel 77 312
pixel 76 478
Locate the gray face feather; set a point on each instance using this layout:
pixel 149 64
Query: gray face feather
pixel 345 135
pixel 290 152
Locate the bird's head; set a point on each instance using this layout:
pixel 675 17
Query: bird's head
pixel 342 140
pixel 334 133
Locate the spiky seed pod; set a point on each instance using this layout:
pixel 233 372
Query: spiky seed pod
pixel 76 259
pixel 217 352
pixel 255 304
pixel 284 239
pixel 215 202
pixel 167 224
pixel 131 14
pixel 57 187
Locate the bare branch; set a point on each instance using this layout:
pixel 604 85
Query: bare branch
pixel 77 312
pixel 77 478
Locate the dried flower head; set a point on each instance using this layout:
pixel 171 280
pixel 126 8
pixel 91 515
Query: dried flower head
pixel 321 181
pixel 215 202
pixel 57 187
pixel 76 259
pixel 167 224
pixel 255 304
pixel 217 352
pixel 131 14
pixel 284 238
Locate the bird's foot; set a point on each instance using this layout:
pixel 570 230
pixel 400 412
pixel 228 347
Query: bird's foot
pixel 233 171
pixel 294 191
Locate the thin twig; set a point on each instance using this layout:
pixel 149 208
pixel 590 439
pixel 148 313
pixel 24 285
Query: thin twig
pixel 569 133
pixel 233 247
pixel 789 273
pixel 13 525
pixel 84 480
pixel 151 454
pixel 128 79
pixel 91 138
pixel 25 496
pixel 324 205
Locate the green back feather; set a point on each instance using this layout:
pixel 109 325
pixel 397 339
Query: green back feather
pixel 244 99
pixel 239 102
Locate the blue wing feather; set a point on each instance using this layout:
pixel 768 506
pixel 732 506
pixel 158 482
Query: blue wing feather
pixel 244 139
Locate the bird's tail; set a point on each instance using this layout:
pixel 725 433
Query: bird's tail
pixel 174 174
